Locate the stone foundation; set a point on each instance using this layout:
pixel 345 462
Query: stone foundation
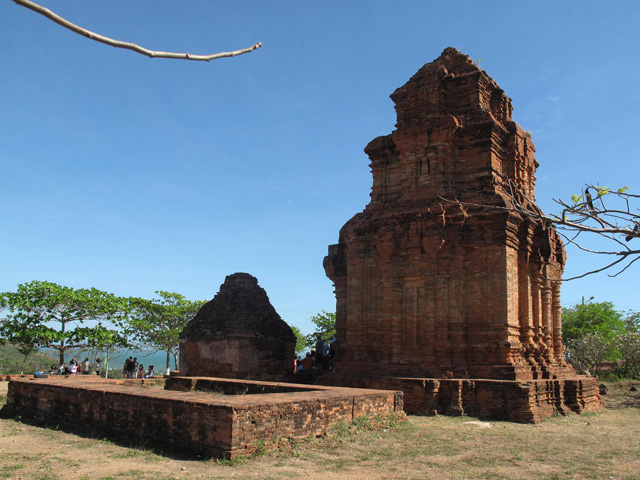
pixel 524 402
pixel 192 422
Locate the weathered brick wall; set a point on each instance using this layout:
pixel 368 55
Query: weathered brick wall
pixel 238 334
pixel 192 422
pixel 234 356
pixel 524 402
pixel 130 414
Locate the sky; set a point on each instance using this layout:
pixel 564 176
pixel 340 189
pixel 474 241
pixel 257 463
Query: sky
pixel 133 175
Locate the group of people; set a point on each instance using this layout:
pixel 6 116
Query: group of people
pixel 74 367
pixel 133 369
pixel 318 358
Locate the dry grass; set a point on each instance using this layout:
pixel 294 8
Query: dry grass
pixel 600 446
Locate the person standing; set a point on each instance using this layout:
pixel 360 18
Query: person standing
pixel 326 356
pixel 134 372
pixel 318 350
pixel 125 368
pixel 130 367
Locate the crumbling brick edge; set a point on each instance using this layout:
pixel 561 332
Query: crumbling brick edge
pixel 190 422
pixel 529 401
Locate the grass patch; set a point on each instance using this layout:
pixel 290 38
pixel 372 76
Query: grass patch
pixel 8 471
pixel 128 453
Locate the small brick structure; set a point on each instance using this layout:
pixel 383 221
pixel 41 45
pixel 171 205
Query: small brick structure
pixel 440 284
pixel 238 334
pixel 227 422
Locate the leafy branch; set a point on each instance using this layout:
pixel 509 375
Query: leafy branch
pixel 157 323
pixel 43 314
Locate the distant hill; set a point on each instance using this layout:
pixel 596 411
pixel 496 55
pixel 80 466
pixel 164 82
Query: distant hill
pixel 11 361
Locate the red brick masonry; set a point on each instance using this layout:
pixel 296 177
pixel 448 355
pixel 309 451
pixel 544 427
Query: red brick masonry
pixel 192 422
pixel 524 402
pixel 441 276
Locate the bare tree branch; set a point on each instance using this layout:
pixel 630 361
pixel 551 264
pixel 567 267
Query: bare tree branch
pixel 586 214
pixel 628 265
pixel 127 45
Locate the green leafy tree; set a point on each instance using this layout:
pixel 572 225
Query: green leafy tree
pixel 628 345
pixel 43 314
pixel 104 339
pixel 592 317
pixel 596 332
pixel 25 350
pixel 588 351
pixel 157 323
pixel 325 323
pixel 21 337
pixel 632 319
pixel 301 340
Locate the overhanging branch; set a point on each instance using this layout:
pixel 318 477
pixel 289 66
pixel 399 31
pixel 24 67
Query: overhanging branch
pixel 128 45
pixel 587 214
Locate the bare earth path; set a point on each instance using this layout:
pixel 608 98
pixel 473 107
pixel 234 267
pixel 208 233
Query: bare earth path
pixel 600 446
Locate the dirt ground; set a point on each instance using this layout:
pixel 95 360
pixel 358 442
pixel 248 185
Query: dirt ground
pixel 604 445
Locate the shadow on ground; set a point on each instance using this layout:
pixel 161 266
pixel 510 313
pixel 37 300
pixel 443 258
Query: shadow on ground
pixel 622 395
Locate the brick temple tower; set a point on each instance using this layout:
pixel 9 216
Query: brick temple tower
pixel 438 278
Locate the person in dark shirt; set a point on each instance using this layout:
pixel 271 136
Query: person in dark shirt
pixel 318 350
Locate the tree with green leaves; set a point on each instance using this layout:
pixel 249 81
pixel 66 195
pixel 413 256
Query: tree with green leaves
pixel 628 345
pixel 104 339
pixel 47 315
pixel 632 319
pixel 589 351
pixel 592 317
pixel 325 323
pixel 596 332
pixel 20 337
pixel 157 323
pixel 301 340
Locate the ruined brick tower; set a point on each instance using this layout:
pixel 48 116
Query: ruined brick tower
pixel 238 334
pixel 432 284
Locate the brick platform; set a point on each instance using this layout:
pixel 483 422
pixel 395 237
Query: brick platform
pixel 192 422
pixel 524 402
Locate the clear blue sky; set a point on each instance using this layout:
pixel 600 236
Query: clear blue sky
pixel 132 175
